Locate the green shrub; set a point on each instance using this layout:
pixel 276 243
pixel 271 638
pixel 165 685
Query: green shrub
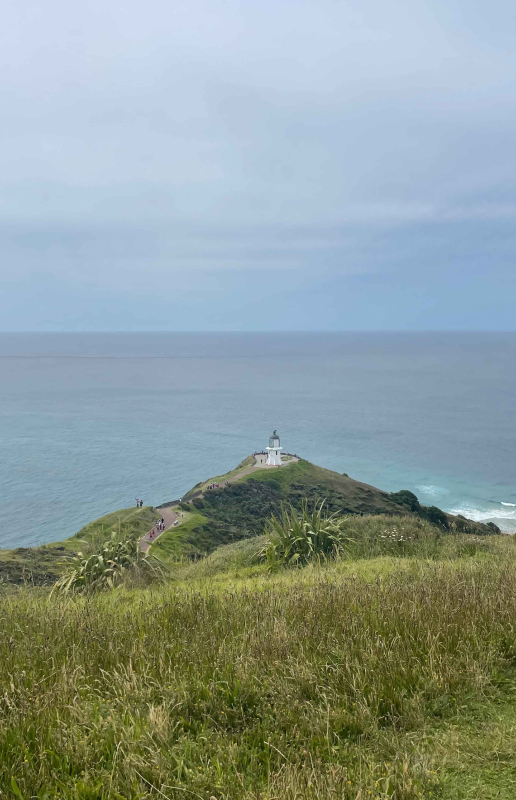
pixel 436 516
pixel 198 503
pixel 492 527
pixel 297 537
pixel 406 498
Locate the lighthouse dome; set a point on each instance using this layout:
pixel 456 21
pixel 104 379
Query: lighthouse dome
pixel 274 439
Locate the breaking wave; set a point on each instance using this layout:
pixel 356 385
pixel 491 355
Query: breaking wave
pixel 432 491
pixel 482 514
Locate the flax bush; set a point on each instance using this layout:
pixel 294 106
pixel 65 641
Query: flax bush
pixel 106 568
pixel 296 537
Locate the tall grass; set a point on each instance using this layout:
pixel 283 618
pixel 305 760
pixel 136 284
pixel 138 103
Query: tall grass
pixel 296 538
pixel 292 691
pixel 370 537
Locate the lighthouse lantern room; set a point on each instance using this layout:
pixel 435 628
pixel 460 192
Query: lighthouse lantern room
pixel 274 451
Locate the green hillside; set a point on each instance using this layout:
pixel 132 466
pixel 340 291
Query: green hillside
pixel 239 510
pixel 229 514
pixel 42 565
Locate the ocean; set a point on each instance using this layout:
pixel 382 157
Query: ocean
pixel 89 422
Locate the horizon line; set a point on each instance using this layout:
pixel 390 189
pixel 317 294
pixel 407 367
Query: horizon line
pixel 271 331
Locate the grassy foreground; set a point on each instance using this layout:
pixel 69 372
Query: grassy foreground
pixel 391 676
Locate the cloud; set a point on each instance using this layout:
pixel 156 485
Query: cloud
pixel 298 139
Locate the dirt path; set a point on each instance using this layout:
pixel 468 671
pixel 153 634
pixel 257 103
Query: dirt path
pixel 170 517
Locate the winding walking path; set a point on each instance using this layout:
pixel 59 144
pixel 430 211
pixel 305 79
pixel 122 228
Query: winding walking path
pixel 171 517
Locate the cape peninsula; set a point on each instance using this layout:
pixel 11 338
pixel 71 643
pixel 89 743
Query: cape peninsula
pixel 225 509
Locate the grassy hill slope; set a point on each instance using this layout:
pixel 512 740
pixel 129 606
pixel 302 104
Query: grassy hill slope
pixel 239 510
pixel 304 478
pixel 390 678
pixel 42 565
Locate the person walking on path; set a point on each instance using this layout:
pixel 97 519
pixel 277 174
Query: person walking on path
pixel 168 517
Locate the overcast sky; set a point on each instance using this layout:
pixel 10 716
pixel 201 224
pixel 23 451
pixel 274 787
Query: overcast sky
pixel 244 165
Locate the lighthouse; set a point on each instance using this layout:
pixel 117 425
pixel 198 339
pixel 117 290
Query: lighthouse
pixel 274 451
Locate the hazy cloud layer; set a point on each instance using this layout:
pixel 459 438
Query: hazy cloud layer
pixel 200 165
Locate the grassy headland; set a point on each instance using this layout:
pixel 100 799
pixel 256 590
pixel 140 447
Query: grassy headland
pixel 239 511
pixel 230 514
pixel 203 485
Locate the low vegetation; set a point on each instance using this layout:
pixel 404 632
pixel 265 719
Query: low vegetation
pixel 356 649
pixel 115 561
pixel 352 678
pixel 228 515
pixel 436 516
pixel 43 565
pixel 186 541
pixel 372 672
pixel 202 485
pixel 241 509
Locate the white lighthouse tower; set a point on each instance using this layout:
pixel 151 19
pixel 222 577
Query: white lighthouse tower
pixel 274 451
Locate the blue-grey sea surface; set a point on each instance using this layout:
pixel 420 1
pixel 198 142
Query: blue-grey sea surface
pixel 89 422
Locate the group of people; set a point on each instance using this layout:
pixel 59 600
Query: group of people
pixel 139 503
pixel 158 528
pixel 217 485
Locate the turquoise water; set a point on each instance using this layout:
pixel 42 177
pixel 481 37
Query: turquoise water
pixel 89 422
